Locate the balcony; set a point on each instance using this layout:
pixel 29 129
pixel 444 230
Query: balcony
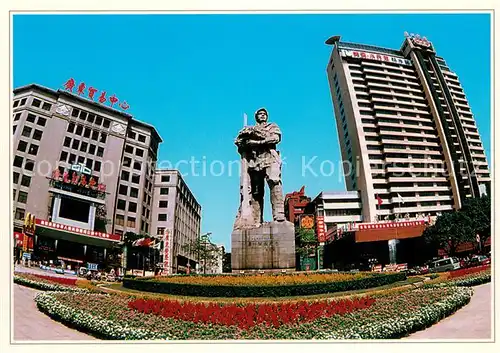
pixel 416 179
pixel 477 148
pixel 475 140
pixel 407 126
pixel 395 200
pixel 341 205
pixel 419 188
pixel 386 85
pixel 423 209
pixel 415 170
pixel 343 219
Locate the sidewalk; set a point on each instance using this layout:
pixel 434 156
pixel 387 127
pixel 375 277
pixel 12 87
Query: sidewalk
pixel 473 321
pixel 32 325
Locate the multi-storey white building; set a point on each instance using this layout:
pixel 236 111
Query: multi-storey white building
pixel 405 125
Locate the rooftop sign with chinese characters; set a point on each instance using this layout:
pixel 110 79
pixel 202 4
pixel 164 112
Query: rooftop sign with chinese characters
pixel 374 56
pixel 417 40
pixel 80 90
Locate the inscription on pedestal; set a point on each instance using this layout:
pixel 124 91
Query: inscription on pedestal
pixel 268 247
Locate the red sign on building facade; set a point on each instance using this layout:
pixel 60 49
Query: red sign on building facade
pixel 166 252
pixel 79 231
pixel 70 84
pixel 320 229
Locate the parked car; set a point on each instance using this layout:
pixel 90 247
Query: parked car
pixel 418 270
pixel 479 260
pixel 443 265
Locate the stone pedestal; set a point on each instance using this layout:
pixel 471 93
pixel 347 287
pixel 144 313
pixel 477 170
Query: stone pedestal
pixel 270 247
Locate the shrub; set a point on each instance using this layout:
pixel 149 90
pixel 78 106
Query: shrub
pixel 196 290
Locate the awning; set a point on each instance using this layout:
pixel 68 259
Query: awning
pixel 70 260
pixel 386 231
pixel 145 242
pixel 62 234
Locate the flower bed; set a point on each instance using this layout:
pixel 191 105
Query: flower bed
pixel 246 316
pixel 82 320
pixel 270 279
pixel 473 279
pixel 337 283
pixel 403 325
pixel 45 285
pixel 61 280
pixel 467 271
pixel 392 316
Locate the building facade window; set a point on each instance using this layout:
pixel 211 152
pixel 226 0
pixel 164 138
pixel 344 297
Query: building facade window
pixel 18 161
pixel 120 220
pixel 163 204
pixel 123 190
pixel 37 135
pixel 121 204
pixel 130 222
pixel 22 146
pixel 26 181
pixel 19 213
pixel 22 197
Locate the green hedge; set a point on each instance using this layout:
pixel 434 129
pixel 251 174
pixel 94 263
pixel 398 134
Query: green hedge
pixel 197 290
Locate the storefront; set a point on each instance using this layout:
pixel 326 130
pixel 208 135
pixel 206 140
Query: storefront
pixel 378 243
pixel 72 247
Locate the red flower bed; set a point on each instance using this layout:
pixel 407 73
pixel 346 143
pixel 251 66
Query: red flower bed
pixel 61 280
pixel 468 271
pixel 275 314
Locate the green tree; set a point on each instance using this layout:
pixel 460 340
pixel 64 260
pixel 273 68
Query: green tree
pixel 305 242
pixel 226 263
pixel 449 231
pixel 203 249
pixel 478 210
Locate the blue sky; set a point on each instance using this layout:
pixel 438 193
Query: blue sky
pixel 193 77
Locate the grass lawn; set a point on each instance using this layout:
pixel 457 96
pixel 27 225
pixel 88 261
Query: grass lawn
pixel 117 287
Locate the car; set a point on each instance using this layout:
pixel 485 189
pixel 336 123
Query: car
pixel 59 270
pixel 479 260
pixel 443 265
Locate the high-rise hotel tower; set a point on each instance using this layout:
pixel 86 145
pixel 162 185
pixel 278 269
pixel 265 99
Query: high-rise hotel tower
pixel 405 125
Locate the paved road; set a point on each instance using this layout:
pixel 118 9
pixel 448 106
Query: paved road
pixel 473 321
pixel 20 268
pixel 30 324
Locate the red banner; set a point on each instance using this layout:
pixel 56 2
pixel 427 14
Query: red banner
pixel 79 231
pixel 320 229
pixel 365 226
